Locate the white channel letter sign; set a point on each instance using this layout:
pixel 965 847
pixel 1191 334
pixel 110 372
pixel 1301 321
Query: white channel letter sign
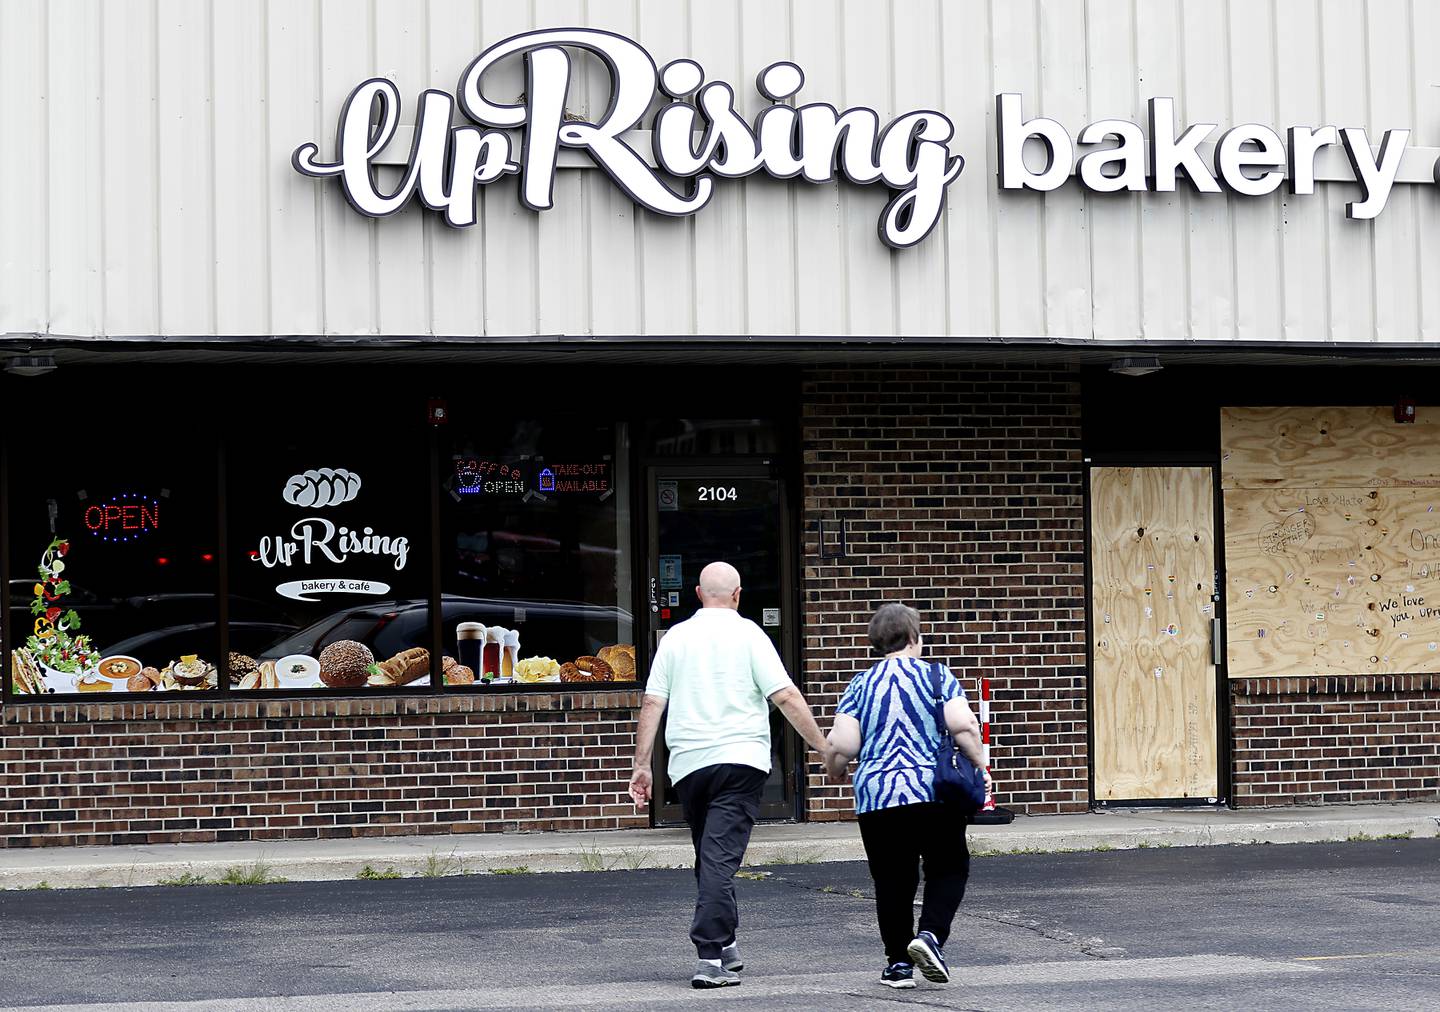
pixel 315 540
pixel 697 140
pixel 1250 159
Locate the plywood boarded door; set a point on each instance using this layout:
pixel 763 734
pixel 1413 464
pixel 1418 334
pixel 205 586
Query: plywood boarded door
pixel 1152 572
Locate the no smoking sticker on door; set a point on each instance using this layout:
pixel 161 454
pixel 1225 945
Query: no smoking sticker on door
pixel 667 496
pixel 770 616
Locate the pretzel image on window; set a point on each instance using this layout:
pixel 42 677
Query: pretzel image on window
pixel 326 486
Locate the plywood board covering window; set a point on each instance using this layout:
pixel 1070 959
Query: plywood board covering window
pixel 1332 541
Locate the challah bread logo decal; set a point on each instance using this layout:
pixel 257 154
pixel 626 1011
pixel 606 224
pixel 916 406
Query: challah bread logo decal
pixel 315 541
pixel 326 486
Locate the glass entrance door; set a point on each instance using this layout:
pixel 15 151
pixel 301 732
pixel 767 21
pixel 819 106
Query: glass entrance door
pixel 736 514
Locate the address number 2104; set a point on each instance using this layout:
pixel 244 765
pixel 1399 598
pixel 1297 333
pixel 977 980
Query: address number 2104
pixel 718 493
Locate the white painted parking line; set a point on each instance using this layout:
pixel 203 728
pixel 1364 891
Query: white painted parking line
pixel 625 993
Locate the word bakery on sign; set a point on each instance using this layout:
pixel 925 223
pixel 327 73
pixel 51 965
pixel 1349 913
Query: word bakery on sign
pixel 698 139
pixel 1251 159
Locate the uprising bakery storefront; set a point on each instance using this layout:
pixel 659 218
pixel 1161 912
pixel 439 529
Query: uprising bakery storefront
pixel 368 418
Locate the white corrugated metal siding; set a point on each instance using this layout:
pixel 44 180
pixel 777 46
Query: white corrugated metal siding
pixel 146 187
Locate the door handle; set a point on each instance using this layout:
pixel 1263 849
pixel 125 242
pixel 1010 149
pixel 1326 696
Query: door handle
pixel 1215 657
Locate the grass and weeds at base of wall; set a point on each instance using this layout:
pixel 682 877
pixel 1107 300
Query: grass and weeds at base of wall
pixel 438 865
pixel 255 873
pixel 188 878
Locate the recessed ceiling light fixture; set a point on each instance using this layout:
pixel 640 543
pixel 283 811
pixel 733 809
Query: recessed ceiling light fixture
pixel 30 365
pixel 1136 366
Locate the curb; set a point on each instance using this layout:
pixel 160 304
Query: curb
pixel 260 866
pixel 986 841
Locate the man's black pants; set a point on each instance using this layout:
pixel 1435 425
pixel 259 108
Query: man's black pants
pixel 720 804
pixel 896 841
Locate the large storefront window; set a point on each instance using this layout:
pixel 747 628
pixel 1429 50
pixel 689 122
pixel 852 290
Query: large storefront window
pixel 335 533
pixel 535 553
pixel 329 525
pixel 114 582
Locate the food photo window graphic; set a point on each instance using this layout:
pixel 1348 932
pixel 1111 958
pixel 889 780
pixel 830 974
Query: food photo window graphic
pixel 114 582
pixel 535 555
pixel 335 540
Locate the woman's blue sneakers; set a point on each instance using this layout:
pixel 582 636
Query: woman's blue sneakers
pixel 928 958
pixel 898 975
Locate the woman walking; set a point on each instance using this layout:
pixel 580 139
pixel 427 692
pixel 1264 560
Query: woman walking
pixel 887 720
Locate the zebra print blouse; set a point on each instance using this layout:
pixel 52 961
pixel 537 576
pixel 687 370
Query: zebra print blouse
pixel 898 735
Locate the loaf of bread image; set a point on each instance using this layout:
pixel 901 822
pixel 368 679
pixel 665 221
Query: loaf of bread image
pixel 621 658
pixel 345 664
pixel 456 673
pixel 402 669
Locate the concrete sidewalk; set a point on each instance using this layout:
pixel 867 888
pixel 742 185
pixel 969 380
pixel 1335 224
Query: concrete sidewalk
pixel 434 856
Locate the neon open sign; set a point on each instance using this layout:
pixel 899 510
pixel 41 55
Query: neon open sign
pixel 123 517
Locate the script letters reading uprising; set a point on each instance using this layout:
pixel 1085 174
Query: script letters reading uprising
pixel 696 140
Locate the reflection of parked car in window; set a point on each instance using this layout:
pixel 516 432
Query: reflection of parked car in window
pixel 561 629
pixel 164 645
pixel 149 625
pixel 91 607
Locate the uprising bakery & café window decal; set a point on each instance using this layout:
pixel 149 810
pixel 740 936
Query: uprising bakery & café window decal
pixel 329 527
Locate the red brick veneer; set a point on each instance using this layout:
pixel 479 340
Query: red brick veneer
pixel 961 489
pixel 1336 740
pixel 180 772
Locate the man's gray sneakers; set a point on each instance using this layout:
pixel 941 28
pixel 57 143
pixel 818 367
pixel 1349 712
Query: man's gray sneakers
pixel 730 958
pixel 709 975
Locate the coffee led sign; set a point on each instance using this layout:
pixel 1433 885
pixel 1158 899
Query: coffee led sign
pixel 697 141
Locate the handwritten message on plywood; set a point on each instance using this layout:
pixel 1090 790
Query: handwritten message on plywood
pixel 1153 684
pixel 1328 448
pixel 1332 581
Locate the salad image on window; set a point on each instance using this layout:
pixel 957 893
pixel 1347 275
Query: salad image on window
pixel 54 658
pixel 57 658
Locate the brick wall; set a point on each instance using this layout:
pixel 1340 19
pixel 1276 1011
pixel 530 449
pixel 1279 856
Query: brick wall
pixel 1306 741
pixel 961 490
pixel 150 772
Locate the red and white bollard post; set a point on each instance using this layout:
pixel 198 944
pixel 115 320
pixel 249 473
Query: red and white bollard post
pixel 988 814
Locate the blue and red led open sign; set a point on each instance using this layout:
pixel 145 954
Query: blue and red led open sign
pixel 123 517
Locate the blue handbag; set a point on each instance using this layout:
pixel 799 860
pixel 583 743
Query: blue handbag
pixel 958 781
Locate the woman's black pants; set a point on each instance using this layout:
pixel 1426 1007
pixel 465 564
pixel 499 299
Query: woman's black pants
pixel 896 841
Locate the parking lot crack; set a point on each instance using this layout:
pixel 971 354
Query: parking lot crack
pixel 1089 945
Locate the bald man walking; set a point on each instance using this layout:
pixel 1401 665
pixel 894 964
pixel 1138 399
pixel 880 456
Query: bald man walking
pixel 715 671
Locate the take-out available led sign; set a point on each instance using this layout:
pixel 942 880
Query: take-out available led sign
pixel 698 137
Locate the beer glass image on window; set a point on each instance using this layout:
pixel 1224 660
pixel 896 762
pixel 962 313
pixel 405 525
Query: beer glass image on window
pixel 534 518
